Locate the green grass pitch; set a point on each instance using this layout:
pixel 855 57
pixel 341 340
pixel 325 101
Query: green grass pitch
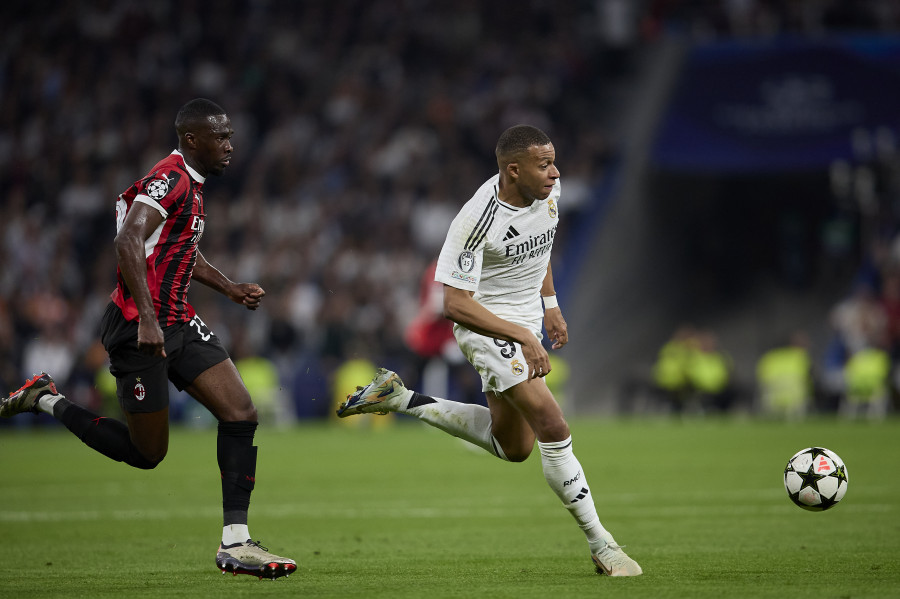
pixel 406 511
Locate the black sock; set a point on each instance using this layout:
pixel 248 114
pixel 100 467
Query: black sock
pixel 237 462
pixel 105 435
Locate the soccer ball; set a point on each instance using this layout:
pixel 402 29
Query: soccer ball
pixel 816 479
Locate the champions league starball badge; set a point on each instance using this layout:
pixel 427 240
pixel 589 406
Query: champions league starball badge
pixel 157 189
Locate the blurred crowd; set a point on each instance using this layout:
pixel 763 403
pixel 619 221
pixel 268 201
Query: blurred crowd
pixel 360 128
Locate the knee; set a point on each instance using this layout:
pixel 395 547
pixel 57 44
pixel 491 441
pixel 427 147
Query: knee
pixel 239 411
pixel 556 429
pixel 149 460
pixel 519 455
pixel 151 464
pixel 244 413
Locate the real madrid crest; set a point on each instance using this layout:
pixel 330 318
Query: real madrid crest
pixel 517 368
pixel 551 208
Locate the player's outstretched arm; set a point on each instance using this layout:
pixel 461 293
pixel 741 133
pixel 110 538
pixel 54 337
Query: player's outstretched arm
pixel 460 307
pixel 247 294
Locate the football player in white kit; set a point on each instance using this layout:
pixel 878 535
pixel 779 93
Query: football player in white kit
pixel 495 267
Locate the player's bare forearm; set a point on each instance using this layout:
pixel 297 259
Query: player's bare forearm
pixel 547 288
pixel 461 308
pixel 247 294
pixel 554 322
pixel 209 275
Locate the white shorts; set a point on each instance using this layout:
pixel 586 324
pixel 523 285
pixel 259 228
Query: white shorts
pixel 500 363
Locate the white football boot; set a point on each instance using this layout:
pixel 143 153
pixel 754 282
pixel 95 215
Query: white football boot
pixel 252 558
pixel 384 394
pixel 613 561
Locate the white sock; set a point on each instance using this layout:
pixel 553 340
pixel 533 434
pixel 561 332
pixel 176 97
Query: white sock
pixel 565 476
pixel 46 402
pixel 470 422
pixel 235 533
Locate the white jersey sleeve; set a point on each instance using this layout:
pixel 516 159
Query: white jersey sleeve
pixel 462 256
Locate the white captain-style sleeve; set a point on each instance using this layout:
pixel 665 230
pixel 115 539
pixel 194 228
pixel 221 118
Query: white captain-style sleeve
pixel 459 263
pixel 462 255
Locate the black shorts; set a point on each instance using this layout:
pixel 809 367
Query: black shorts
pixel 141 379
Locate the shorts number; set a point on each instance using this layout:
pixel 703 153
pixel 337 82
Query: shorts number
pixel 507 349
pixel 196 322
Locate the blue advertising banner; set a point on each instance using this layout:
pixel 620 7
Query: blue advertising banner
pixel 778 105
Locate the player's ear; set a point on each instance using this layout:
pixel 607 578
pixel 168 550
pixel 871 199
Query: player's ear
pixel 512 169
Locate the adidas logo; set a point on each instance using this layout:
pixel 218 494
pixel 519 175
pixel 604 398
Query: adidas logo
pixel 510 233
pixel 581 495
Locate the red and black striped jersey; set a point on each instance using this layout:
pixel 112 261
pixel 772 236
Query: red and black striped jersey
pixel 176 191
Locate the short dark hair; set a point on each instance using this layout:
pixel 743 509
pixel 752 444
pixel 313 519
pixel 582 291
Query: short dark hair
pixel 194 111
pixel 518 139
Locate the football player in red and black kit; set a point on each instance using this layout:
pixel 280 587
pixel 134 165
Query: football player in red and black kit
pixel 153 335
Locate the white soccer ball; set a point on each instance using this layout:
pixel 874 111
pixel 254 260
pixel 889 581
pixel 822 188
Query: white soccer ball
pixel 816 478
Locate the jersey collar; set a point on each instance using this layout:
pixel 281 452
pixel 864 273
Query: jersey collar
pixel 534 205
pixel 194 174
pixel 502 203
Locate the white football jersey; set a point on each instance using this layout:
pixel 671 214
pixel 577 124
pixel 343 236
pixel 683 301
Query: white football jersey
pixel 501 253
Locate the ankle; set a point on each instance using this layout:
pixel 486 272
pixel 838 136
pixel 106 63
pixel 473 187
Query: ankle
pixel 48 401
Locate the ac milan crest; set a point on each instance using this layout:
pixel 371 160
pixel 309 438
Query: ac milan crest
pixel 140 392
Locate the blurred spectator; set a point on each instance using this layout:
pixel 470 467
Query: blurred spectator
pixel 866 376
pixel 785 379
pixel 693 374
pixel 858 323
pixel 430 336
pixel 670 370
pixel 709 374
pixel 50 348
